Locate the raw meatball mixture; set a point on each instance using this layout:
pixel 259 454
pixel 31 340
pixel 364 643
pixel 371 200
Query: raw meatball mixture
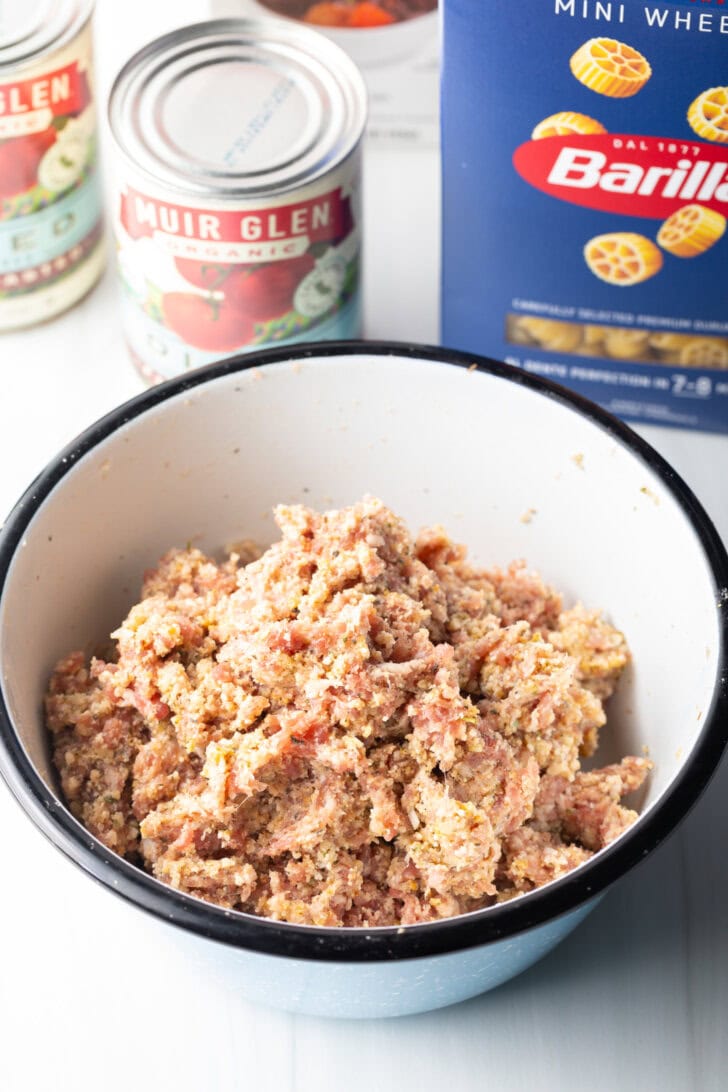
pixel 355 728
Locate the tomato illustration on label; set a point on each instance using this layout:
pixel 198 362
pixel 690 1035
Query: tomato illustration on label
pixel 259 292
pixel 20 159
pixel 204 322
pixel 267 291
pixel 209 275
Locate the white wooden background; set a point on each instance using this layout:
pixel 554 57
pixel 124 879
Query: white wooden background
pixel 95 998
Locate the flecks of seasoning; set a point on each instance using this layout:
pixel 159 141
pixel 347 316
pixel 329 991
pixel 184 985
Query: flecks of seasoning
pixel 105 468
pixel 699 714
pixel 472 367
pixel 528 515
pixel 236 451
pixel 50 538
pixel 578 460
pixel 648 493
pixel 305 489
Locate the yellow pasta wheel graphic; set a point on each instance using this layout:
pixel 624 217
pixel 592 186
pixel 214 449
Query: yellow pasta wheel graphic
pixel 708 114
pixel 691 231
pixel 610 67
pixel 704 352
pixel 566 124
pixel 622 258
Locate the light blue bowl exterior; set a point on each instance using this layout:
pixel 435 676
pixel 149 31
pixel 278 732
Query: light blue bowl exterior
pixel 400 987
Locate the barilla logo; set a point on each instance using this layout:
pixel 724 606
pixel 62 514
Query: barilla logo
pixel 627 174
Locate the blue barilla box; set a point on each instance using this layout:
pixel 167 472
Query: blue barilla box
pixel 585 197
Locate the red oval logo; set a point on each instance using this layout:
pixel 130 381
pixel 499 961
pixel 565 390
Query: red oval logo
pixel 627 174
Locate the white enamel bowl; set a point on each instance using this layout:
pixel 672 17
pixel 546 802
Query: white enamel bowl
pixel 442 438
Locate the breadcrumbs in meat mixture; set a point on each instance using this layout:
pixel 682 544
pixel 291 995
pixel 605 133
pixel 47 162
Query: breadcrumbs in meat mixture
pixel 353 728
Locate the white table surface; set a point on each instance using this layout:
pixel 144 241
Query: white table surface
pixel 90 1001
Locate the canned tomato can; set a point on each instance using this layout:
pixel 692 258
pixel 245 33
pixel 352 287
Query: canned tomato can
pixel 51 250
pixel 237 201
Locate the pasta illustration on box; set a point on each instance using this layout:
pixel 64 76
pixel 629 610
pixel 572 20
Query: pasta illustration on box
pixel 610 67
pixel 585 217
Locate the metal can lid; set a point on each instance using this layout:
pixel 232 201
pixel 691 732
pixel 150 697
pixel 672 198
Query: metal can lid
pixel 30 28
pixel 238 108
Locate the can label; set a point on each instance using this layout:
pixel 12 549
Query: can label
pixel 589 206
pixel 50 204
pixel 202 282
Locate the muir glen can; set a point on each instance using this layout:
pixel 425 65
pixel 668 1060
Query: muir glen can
pixel 50 208
pixel 237 204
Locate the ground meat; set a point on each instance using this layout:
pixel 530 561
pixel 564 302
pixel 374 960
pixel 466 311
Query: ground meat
pixel 350 729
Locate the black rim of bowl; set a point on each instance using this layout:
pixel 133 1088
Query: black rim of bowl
pixel 386 942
